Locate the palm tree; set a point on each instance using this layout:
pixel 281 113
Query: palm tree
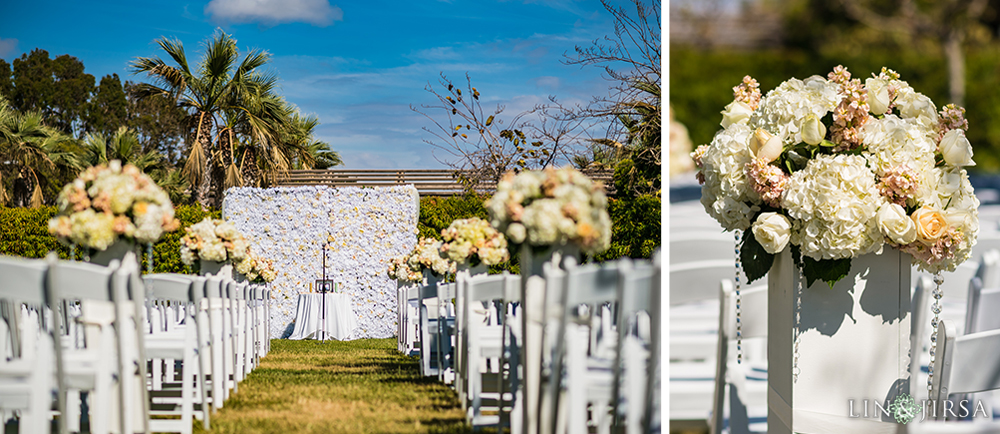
pixel 218 84
pixel 33 153
pixel 124 145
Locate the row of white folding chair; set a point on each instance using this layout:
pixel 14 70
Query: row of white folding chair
pixel 740 379
pixel 602 347
pixel 227 334
pixel 107 365
pixel 965 364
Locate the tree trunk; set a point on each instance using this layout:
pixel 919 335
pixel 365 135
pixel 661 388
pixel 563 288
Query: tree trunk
pixel 956 66
pixel 201 135
pixel 23 187
pixel 249 169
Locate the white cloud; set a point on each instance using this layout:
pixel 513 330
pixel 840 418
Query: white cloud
pixel 8 47
pixel 272 12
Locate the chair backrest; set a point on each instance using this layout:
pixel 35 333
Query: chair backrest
pixel 486 287
pixel 965 364
pixel 989 268
pixel 173 287
pixel 753 304
pixel 700 245
pixel 590 283
pixel 694 281
pixel 23 280
pixel 918 327
pixel 82 280
pixel 981 307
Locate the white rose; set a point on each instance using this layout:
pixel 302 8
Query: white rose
pixel 764 145
pixel 813 131
pixel 878 95
pixel 956 149
pixel 772 231
pixel 895 224
pixel 737 112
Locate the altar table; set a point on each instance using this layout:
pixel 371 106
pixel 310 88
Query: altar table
pixel 340 318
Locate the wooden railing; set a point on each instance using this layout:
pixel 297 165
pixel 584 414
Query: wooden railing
pixel 429 182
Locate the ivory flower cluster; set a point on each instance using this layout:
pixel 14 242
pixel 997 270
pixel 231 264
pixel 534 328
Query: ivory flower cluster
pixel 474 241
pixel 428 256
pixel 256 268
pixel 110 201
pixel 551 207
pixel 839 167
pixel 213 240
pixel 399 269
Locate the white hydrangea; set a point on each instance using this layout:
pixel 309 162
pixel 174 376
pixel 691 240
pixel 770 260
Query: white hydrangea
pixel 916 106
pixel 893 142
pixel 726 193
pixel 833 204
pixel 784 108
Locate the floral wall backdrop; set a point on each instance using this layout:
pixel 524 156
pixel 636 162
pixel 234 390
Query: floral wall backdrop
pixel 365 227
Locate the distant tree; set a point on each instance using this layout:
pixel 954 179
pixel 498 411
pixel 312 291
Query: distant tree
pixel 34 157
pixel 159 123
pixel 484 144
pixel 107 110
pixel 219 82
pixel 125 145
pixel 631 62
pixel 57 88
pixel 6 82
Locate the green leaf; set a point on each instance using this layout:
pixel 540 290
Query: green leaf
pixel 827 270
pixel 827 144
pixel 755 260
pixel 795 161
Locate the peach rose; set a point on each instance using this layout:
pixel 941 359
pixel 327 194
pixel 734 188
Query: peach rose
pixel 931 224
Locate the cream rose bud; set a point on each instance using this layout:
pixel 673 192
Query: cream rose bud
pixel 930 223
pixel 812 129
pixel 895 224
pixel 956 149
pixel 737 112
pixel 878 95
pixel 772 231
pixel 764 145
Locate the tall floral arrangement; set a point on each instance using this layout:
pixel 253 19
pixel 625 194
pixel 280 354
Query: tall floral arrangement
pixel 552 207
pixel 213 240
pixel 474 241
pixel 111 202
pixel 836 168
pixel 256 268
pixel 428 256
pixel 399 269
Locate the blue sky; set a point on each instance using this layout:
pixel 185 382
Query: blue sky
pixel 357 65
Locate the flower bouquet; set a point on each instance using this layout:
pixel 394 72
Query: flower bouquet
pixel 837 169
pixel 400 270
pixel 213 240
pixel 111 202
pixel 474 241
pixel 551 208
pixel 427 256
pixel 257 269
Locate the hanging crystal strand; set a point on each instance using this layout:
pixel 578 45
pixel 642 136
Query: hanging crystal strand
pixel 798 318
pixel 149 258
pixel 739 324
pixel 72 252
pixel 936 308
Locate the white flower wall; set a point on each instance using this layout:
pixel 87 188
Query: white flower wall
pixel 367 226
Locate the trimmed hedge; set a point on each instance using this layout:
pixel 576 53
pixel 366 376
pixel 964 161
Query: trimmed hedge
pixel 635 229
pixel 25 232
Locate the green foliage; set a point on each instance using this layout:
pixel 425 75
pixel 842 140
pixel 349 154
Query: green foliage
pixel 702 81
pixel 24 232
pixel 635 227
pixel 756 261
pixel 436 213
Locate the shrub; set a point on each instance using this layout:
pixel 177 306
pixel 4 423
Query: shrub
pixel 635 229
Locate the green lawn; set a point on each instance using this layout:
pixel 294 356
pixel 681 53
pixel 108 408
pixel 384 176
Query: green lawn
pixel 362 386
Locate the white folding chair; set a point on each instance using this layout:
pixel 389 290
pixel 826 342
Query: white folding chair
pixel 701 245
pixel 26 381
pixel 102 366
pixel 583 348
pixel 483 349
pixel 741 380
pixel 965 364
pixel 635 373
pixel 214 308
pixel 168 341
pixel 694 281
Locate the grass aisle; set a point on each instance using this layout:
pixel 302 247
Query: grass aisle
pixel 362 386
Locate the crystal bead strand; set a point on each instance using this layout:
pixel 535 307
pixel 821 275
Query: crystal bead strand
pixel 798 318
pixel 739 324
pixel 149 258
pixel 72 252
pixel 936 308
